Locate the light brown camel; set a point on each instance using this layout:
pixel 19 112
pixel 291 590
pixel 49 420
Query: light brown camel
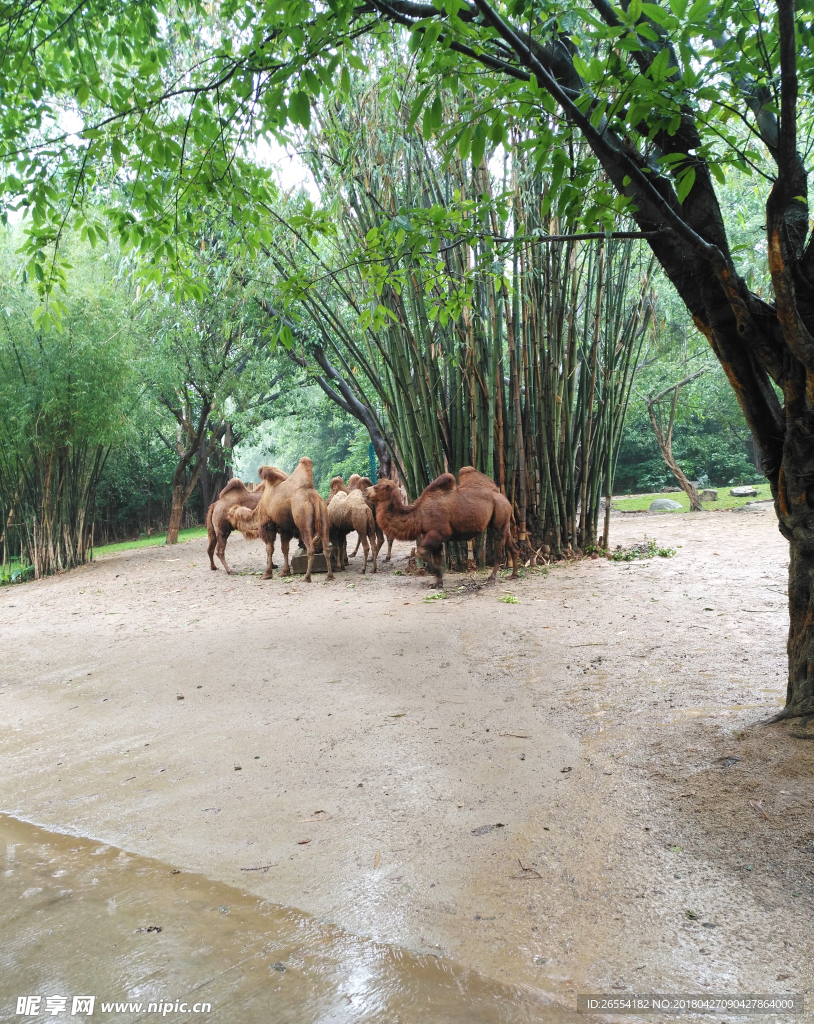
pixel 294 508
pixel 219 528
pixel 446 511
pixel 348 511
pixel 361 483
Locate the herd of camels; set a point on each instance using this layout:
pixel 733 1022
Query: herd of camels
pixel 293 508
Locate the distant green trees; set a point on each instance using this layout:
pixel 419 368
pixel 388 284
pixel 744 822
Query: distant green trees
pixel 65 399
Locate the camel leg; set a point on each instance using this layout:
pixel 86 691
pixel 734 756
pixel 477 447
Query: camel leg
pixel 375 550
pixel 223 536
pixel 326 547
pixel 309 547
pixel 213 540
pixel 365 549
pixel 269 573
pixel 284 542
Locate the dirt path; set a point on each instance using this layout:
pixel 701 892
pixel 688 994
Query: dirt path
pixel 572 793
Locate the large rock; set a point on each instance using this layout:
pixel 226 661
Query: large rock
pixel 664 505
pixel 744 492
pixel 708 495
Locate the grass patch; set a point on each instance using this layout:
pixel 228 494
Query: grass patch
pixel 641 502
pixel 15 572
pixel 647 549
pixel 195 533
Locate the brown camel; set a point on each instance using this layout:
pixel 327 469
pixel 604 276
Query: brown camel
pixel 294 508
pixel 347 511
pixel 446 511
pixel 219 528
pixel 361 483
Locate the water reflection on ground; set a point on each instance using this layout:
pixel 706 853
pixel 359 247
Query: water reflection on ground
pixel 81 919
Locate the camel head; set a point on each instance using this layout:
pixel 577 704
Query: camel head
pixel 271 475
pixel 384 492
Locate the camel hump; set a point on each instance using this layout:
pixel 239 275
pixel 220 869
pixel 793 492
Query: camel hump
pixel 337 485
pixel 363 483
pixel 233 485
pixel 445 482
pixel 468 476
pixel 271 474
pixel 304 473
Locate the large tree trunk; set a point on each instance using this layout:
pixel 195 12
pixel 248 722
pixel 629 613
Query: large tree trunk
pixel 800 689
pixel 794 502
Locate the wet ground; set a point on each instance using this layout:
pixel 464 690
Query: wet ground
pixel 569 793
pixel 81 919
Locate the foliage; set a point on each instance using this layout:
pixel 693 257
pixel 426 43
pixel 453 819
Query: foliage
pixel 645 549
pixel 63 400
pixel 314 426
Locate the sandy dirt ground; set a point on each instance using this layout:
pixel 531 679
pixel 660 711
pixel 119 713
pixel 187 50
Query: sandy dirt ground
pixel 575 792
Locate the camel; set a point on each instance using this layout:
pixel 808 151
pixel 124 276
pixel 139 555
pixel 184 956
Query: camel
pixel 219 528
pixel 292 507
pixel 361 483
pixel 347 511
pixel 446 511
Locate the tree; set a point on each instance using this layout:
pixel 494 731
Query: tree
pixel 209 357
pixel 666 97
pixel 663 429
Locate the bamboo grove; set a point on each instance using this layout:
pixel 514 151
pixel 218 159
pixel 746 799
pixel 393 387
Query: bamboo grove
pixel 500 348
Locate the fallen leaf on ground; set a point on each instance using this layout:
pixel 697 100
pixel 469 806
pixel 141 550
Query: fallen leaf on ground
pixel 302 842
pixel 757 805
pixel 377 860
pixel 516 735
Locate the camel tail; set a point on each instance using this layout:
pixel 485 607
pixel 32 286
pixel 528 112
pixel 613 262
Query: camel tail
pixel 210 529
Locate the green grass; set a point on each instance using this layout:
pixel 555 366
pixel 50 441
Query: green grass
pixel 15 572
pixel 641 502
pixel 194 533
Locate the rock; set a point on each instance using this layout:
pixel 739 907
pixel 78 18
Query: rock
pixel 756 506
pixel 299 563
pixel 671 490
pixel 664 505
pixel 708 495
pixel 743 492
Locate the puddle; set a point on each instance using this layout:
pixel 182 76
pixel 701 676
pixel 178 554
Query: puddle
pixel 81 919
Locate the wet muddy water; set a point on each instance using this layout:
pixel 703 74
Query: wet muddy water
pixel 78 918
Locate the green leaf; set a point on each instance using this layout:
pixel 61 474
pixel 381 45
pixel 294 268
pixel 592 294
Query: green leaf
pixel 479 144
pixel 684 184
pixel 299 108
